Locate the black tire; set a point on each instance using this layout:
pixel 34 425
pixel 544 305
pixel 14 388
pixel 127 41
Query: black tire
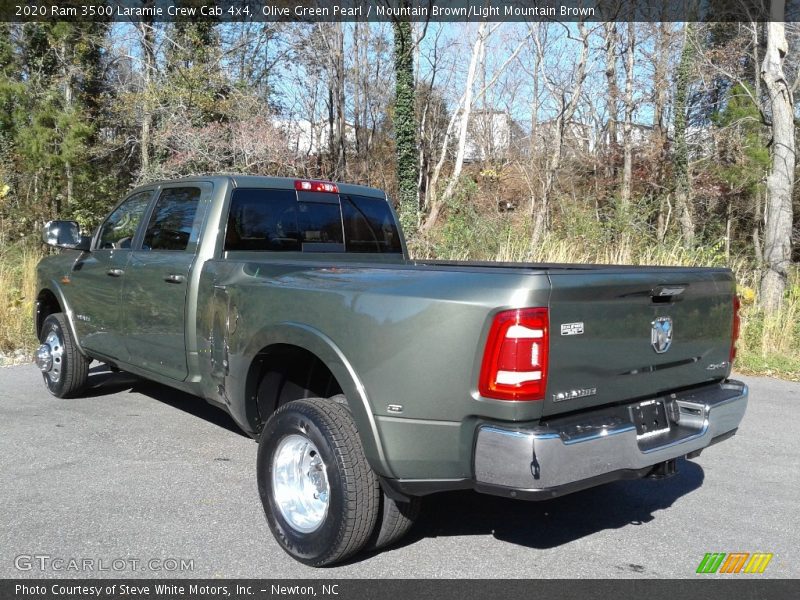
pixel 70 370
pixel 395 520
pixel 354 493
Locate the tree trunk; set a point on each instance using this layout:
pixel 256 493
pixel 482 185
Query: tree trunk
pixel 405 127
pixel 780 182
pixel 664 214
pixel 758 208
pixel 341 125
pixel 435 203
pixel 147 35
pixel 465 107
pixel 566 111
pixel 68 94
pixel 627 163
pixel 681 151
pixel 336 120
pixel 661 90
pixel 477 53
pixel 757 221
pixel 534 141
pixel 611 38
pixel 333 37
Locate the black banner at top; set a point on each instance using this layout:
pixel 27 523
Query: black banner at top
pixel 389 10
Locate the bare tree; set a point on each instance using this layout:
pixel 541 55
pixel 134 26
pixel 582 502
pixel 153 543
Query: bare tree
pixel 627 127
pixel 661 61
pixel 478 51
pixel 332 35
pixel 462 115
pixel 681 150
pixel 436 74
pixel 758 206
pixel 464 108
pixel 611 38
pixel 148 52
pixel 567 99
pixel 780 182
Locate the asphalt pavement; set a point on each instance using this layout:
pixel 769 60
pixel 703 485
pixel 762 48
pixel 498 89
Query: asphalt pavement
pixel 138 480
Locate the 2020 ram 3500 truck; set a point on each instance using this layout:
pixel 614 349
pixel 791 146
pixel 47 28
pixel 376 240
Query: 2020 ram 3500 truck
pixel 371 379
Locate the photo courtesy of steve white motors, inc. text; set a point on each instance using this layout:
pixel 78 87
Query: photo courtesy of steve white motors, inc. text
pixel 111 590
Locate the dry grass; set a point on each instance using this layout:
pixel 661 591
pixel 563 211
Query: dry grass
pixel 768 345
pixel 17 297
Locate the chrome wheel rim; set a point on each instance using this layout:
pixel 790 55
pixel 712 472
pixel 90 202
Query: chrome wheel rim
pixel 56 345
pixel 300 483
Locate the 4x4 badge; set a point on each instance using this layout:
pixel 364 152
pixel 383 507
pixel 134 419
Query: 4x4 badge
pixel 661 334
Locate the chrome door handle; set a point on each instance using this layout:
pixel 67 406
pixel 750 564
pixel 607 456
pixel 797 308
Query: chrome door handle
pixel 174 278
pixel 115 272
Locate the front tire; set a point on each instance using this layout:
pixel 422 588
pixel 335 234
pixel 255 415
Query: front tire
pixel 319 494
pixel 69 369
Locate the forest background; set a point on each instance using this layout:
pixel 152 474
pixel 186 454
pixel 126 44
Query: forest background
pixel 638 143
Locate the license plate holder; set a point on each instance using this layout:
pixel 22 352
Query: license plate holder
pixel 650 418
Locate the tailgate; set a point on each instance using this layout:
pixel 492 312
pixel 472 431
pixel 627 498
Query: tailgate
pixel 610 330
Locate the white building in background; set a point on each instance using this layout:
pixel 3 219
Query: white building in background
pixel 583 138
pixel 491 134
pixel 306 138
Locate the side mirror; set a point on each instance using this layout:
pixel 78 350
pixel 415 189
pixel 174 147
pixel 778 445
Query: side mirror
pixel 65 234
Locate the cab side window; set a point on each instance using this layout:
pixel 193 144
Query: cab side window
pixel 170 227
pixel 121 225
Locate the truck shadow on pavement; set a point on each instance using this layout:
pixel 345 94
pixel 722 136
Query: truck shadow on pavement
pixel 551 523
pixel 104 382
pixel 544 524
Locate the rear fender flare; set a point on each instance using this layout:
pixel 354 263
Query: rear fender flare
pixel 323 347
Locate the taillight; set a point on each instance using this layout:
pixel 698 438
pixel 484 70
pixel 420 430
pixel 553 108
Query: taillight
pixel 736 326
pixel 515 359
pixel 304 185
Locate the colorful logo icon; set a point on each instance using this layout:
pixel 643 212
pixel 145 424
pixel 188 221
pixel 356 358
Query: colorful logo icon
pixel 734 562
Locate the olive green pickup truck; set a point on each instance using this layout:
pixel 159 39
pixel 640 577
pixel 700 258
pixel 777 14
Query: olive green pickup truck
pixel 371 379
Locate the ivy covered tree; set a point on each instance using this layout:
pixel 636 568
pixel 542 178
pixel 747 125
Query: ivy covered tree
pixel 405 126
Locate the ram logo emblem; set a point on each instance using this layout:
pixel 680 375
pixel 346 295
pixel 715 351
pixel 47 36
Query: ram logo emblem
pixel 661 334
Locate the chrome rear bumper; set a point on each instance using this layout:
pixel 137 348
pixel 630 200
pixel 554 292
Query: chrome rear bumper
pixel 564 453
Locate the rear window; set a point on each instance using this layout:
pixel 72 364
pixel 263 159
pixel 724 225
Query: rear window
pixel 274 220
pixel 369 225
